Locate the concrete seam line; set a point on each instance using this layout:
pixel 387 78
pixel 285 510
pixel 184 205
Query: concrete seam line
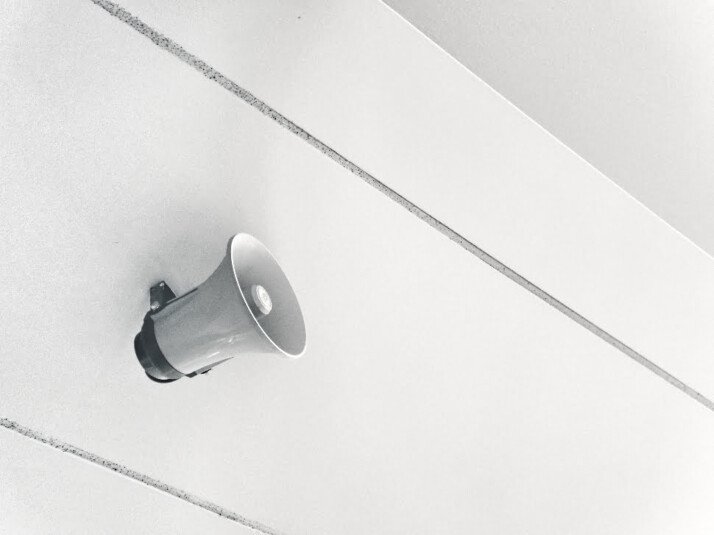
pixel 136 476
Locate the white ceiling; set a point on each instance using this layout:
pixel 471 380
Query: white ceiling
pixel 435 395
pixel 358 77
pixel 626 84
pixel 45 491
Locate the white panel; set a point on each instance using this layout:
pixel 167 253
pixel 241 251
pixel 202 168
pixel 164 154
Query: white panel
pixel 627 85
pixel 363 80
pixel 44 491
pixel 435 394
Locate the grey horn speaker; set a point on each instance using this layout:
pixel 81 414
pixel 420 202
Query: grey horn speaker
pixel 246 306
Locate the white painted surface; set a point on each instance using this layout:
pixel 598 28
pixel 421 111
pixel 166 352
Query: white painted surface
pixel 363 80
pixel 414 410
pixel 626 84
pixel 44 491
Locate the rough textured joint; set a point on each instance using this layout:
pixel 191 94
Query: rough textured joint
pixel 136 476
pixel 212 74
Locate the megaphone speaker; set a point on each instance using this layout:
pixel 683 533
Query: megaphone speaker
pixel 246 306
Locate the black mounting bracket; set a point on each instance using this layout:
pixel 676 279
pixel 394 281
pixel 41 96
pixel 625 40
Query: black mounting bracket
pixel 159 295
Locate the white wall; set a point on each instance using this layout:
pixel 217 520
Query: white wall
pixel 44 491
pixel 368 84
pixel 626 84
pixel 435 394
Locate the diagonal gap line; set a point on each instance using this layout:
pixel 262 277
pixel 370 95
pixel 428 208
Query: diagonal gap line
pixel 136 476
pixel 212 74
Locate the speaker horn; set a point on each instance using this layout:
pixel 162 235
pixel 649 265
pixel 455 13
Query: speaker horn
pixel 246 306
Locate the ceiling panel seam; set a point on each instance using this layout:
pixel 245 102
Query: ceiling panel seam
pixel 212 74
pixel 120 469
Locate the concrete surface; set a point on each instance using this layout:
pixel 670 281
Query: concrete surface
pixel 44 491
pixel 626 84
pixel 435 394
pixel 364 81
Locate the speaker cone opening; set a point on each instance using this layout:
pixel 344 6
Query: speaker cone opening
pixel 254 266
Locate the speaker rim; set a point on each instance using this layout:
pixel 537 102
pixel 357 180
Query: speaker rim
pixel 280 350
